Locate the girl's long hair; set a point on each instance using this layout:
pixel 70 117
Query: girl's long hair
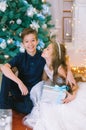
pixel 58 59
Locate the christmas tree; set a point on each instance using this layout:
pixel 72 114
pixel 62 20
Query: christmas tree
pixel 15 15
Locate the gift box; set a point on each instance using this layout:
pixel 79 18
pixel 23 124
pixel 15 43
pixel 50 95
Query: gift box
pixel 5 119
pixel 53 94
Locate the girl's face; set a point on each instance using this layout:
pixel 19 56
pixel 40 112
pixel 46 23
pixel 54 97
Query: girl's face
pixel 30 42
pixel 47 52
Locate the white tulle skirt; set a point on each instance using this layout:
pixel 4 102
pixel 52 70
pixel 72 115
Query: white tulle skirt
pixel 70 116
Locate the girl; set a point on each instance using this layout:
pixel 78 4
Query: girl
pixel 54 116
pixel 55 56
pixel 55 72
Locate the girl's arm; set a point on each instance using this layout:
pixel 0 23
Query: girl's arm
pixel 70 96
pixel 62 71
pixel 44 76
pixel 46 79
pixel 69 79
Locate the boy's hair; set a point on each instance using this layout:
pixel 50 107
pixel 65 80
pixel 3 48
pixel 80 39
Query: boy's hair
pixel 27 31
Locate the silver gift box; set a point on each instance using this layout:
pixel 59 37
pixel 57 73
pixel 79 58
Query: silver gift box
pixel 5 119
pixel 53 95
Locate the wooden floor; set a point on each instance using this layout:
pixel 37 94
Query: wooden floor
pixel 17 122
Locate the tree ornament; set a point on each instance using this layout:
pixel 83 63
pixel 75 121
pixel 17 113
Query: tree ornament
pixel 3 29
pixel 3 6
pixel 41 16
pixel 20 34
pixel 45 9
pixel 12 22
pixel 21 49
pixel 6 56
pixel 43 1
pixel 31 11
pixel 9 41
pixel 44 26
pixel 19 21
pixel 34 25
pixel 17 43
pixel 2 43
pixel 41 45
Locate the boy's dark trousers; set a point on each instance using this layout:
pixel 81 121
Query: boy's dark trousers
pixel 11 98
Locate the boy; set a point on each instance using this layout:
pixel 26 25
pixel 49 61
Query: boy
pixel 30 66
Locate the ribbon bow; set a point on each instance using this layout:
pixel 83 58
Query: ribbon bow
pixel 58 88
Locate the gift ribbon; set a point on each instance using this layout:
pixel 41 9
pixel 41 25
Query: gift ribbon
pixel 62 88
pixel 62 93
pixel 58 88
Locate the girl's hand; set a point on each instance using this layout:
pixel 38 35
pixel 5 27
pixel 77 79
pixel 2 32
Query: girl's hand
pixel 69 98
pixel 70 79
pixel 23 88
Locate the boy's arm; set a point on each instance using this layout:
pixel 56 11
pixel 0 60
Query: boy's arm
pixel 7 71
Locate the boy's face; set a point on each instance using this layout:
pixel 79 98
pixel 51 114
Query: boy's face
pixel 30 42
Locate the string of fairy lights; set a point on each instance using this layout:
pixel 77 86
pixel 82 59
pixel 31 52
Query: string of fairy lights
pixel 79 73
pixel 79 43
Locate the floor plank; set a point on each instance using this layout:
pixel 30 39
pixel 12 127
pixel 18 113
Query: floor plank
pixel 17 122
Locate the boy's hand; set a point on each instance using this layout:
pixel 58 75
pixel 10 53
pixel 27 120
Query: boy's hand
pixel 23 88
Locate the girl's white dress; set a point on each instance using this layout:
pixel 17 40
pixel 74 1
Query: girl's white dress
pixel 53 116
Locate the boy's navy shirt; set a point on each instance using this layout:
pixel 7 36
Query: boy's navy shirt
pixel 30 68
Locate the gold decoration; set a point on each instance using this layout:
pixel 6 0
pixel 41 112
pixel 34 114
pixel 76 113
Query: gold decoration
pixel 43 1
pixel 79 73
